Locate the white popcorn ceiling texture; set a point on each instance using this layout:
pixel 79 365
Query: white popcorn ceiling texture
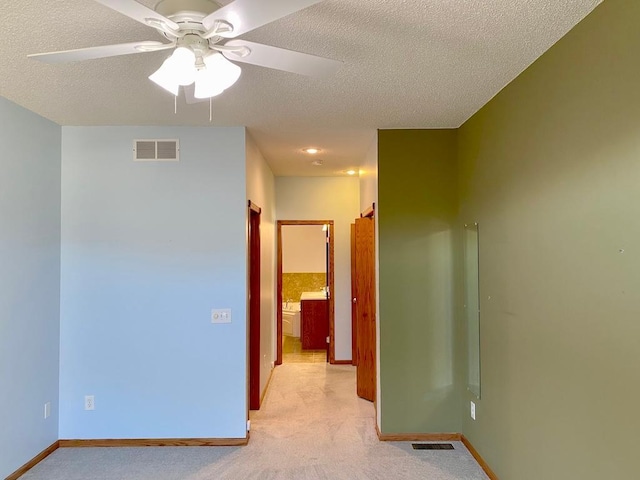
pixel 407 64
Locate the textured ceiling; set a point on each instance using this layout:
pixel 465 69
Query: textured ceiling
pixel 407 64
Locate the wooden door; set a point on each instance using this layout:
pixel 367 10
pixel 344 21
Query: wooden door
pixel 354 330
pixel 366 308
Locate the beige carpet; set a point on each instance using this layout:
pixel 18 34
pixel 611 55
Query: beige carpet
pixel 311 427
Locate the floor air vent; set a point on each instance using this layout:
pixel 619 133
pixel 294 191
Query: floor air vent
pixel 156 150
pixel 432 446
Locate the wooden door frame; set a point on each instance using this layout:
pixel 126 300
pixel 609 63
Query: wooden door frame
pixel 253 306
pixel 330 278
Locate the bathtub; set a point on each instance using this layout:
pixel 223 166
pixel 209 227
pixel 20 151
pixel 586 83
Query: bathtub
pixel 291 319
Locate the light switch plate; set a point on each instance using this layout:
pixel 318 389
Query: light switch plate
pixel 221 315
pixel 473 410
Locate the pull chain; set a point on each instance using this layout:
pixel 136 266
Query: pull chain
pixel 210 109
pixel 175 105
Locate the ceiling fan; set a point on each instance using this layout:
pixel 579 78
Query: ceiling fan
pixel 198 32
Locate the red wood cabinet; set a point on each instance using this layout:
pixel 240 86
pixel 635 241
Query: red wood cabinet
pixel 314 324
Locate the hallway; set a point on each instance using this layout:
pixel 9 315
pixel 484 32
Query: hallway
pixel 311 426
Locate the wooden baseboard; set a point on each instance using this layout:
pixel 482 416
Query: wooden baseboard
pixel 478 458
pixel 341 362
pixel 438 437
pixel 34 461
pixel 156 442
pixel 266 387
pixel 419 437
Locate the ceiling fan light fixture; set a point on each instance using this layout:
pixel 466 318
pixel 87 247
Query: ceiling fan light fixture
pixel 215 76
pixel 179 69
pixel 226 73
pixel 205 87
pixel 183 65
pixel 163 78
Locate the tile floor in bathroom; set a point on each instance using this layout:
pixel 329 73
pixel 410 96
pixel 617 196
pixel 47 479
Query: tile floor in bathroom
pixel 292 352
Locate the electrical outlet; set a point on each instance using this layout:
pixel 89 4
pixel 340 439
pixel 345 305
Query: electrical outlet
pixel 47 410
pixel 473 410
pixel 89 402
pixel 221 315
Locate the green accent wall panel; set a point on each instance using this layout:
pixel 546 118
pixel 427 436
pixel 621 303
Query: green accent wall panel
pixel 419 368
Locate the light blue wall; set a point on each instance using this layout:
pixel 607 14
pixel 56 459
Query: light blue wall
pixel 148 248
pixel 29 282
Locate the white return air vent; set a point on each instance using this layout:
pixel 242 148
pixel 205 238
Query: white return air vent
pixel 165 150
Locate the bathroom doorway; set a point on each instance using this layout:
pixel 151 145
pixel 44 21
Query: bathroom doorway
pixel 305 287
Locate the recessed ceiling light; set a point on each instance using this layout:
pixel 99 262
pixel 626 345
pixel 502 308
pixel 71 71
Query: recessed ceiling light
pixel 311 150
pixel 351 172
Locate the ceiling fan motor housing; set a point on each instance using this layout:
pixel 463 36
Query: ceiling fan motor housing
pixel 186 11
pixel 194 42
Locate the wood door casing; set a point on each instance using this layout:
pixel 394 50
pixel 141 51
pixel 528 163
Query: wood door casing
pixel 365 308
pixel 331 279
pixel 254 308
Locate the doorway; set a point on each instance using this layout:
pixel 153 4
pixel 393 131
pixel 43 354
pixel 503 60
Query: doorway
pixel 305 287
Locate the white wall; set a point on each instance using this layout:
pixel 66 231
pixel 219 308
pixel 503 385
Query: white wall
pixel 327 198
pixel 261 191
pixel 29 284
pixel 304 249
pixel 148 249
pixel 369 176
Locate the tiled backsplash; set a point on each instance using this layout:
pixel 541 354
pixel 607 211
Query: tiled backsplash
pixel 293 284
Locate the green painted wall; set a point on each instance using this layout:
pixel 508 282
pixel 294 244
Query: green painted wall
pixel 551 171
pixel 417 211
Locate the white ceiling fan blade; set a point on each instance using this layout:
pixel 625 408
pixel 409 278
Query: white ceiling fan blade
pixel 138 12
pixel 281 59
pixel 246 15
pixel 100 52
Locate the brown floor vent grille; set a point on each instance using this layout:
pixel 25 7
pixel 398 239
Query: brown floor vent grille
pixel 432 446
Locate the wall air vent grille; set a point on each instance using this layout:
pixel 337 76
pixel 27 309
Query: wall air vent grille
pixel 156 150
pixel 432 446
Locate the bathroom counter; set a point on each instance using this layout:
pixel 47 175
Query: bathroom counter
pixel 313 296
pixel 314 322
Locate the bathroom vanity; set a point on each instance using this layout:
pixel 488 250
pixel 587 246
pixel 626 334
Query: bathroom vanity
pixel 314 320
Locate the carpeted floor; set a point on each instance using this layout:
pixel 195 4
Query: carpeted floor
pixel 311 426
